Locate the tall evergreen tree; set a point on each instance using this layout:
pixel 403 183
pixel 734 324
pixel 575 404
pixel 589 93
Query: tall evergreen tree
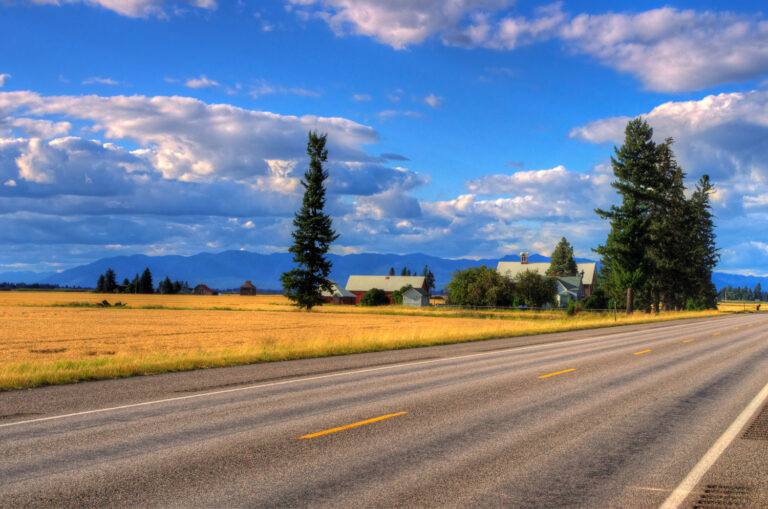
pixel 624 253
pixel 100 284
pixel 562 261
pixel 429 279
pixel 313 234
pixel 135 284
pixel 110 281
pixel 704 252
pixel 126 286
pixel 391 271
pixel 758 291
pixel 145 282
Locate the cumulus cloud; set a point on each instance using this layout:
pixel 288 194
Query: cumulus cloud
pixel 137 8
pixel 202 82
pixel 397 22
pixel 361 97
pixel 3 78
pixel 187 139
pixel 667 49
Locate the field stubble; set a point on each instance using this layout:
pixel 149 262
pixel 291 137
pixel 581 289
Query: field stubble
pixel 46 340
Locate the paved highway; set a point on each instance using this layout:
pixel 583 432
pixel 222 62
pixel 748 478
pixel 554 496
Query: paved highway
pixel 637 416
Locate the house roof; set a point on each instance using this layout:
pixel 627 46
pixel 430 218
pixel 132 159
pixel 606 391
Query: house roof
pixel 337 291
pixel 248 284
pixel 570 282
pixel 512 269
pixel 386 283
pixel 415 292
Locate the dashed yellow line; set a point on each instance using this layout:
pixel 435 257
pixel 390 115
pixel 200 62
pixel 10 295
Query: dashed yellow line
pixel 689 340
pixel 641 353
pixel 558 373
pixel 353 425
pixel 735 328
pixel 716 334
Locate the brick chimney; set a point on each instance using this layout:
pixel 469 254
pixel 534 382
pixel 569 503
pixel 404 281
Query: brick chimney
pixel 524 257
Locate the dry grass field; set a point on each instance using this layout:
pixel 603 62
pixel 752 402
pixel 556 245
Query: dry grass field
pixel 45 340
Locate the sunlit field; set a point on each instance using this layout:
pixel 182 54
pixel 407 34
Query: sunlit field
pixel 734 306
pixel 46 339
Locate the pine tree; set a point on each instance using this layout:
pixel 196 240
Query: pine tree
pixel 313 234
pixel 110 281
pixel 562 262
pixel 391 271
pixel 704 252
pixel 100 284
pixel 126 286
pixel 429 279
pixel 404 272
pixel 145 283
pixel 624 255
pixel 758 291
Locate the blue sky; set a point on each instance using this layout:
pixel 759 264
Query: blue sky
pixel 472 128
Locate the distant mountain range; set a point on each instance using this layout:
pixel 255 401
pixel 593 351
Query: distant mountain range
pixel 230 269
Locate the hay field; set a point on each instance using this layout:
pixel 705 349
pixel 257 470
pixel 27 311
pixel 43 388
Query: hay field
pixel 735 306
pixel 42 344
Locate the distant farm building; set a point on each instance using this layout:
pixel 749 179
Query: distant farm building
pixel 248 289
pixel 588 272
pixel 417 297
pixel 204 290
pixel 568 288
pixel 338 295
pixel 358 285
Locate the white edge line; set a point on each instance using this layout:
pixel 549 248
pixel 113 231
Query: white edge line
pixel 680 493
pixel 332 375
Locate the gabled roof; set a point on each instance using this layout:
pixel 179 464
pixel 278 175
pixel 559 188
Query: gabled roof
pixel 415 292
pixel 338 291
pixel 570 282
pixel 386 283
pixel 512 269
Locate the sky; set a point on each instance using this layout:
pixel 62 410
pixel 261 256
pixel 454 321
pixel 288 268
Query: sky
pixel 461 128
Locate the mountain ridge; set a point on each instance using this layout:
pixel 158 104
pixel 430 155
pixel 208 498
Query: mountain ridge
pixel 230 269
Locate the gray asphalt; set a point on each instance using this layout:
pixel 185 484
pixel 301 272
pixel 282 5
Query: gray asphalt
pixel 480 428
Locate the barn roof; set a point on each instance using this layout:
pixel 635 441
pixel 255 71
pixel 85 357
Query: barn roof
pixel 511 269
pixel 386 283
pixel 248 284
pixel 337 291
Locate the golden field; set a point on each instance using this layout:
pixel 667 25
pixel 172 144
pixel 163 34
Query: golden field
pixel 44 341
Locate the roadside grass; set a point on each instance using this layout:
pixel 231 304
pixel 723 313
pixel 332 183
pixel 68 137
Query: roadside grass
pixel 46 344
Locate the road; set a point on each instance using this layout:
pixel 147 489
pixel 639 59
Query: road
pixel 606 418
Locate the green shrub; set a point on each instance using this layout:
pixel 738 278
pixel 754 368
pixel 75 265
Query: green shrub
pixel 397 295
pixel 375 297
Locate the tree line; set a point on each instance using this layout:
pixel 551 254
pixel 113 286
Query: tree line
pixel 744 293
pixel 107 283
pixel 661 246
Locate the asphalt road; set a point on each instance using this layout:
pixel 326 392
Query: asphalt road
pixel 608 418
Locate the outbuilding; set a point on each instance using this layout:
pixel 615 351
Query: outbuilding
pixel 338 295
pixel 204 290
pixel 248 288
pixel 416 297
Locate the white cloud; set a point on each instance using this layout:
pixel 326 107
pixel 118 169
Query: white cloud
pixel 386 114
pixel 10 183
pixel 96 80
pixel 262 88
pixel 673 50
pixel 202 82
pixel 187 139
pixel 3 78
pixel 361 97
pixel 667 49
pixel 433 101
pixel 398 22
pixel 136 8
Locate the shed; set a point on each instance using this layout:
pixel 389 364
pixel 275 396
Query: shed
pixel 204 290
pixel 338 295
pixel 568 288
pixel 248 289
pixel 415 297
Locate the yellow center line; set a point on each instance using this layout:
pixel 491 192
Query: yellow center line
pixel 640 353
pixel 689 340
pixel 716 334
pixel 353 425
pixel 558 373
pixel 735 328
